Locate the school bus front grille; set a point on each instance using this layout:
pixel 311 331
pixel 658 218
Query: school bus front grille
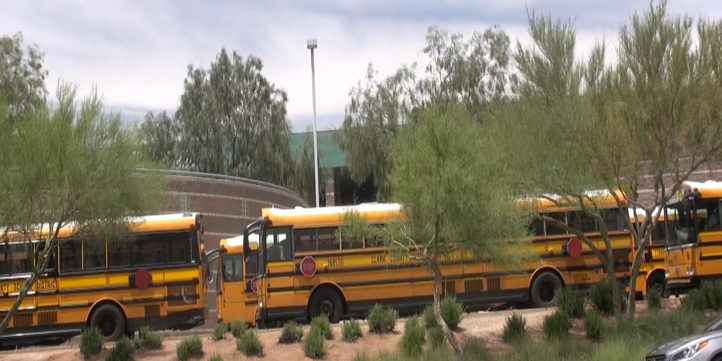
pixel 493 284
pixel 473 285
pixel 47 317
pixel 23 319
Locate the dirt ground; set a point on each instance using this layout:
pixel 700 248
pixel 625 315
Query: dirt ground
pixel 487 325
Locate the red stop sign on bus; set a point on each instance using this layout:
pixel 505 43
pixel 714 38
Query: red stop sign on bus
pixel 254 285
pixel 308 266
pixel 574 247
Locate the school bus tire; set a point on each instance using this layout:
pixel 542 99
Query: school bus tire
pixel 326 300
pixel 110 320
pixel 543 289
pixel 657 280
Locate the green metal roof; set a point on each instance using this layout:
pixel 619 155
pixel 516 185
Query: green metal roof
pixel 330 154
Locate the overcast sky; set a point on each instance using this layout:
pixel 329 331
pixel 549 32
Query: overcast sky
pixel 137 52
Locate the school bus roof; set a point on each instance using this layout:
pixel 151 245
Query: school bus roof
pixel 708 189
pixel 235 244
pixel 332 216
pixel 150 223
pixel 557 203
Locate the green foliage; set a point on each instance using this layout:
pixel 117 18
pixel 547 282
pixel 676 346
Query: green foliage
pixel 121 351
pixel 514 328
pixel 219 331
pixel 696 300
pixel 238 328
pixel 249 344
pixel 189 347
pixel 594 325
pixel 451 311
pixel 475 349
pixel 429 317
pixel 601 296
pixel 351 330
pixel 557 325
pixel 570 301
pixel 216 357
pixel 91 342
pixel 22 76
pixel 227 115
pixel 413 338
pixel 314 345
pixel 149 339
pixel 292 332
pixel 322 324
pixel 382 319
pixel 362 356
pixel 654 299
pixel 436 336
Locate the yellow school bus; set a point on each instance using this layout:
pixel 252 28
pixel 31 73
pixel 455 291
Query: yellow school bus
pixel 152 275
pixel 235 298
pixel 695 246
pixel 305 270
pixel 652 271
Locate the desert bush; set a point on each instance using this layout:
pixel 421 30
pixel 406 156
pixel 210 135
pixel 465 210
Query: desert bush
pixel 216 357
pixel 121 351
pixel 696 300
pixel 292 332
pixel 382 319
pixel 475 349
pixel 413 338
pixel 601 296
pixel 351 330
pixel 314 345
pixel 570 302
pixel 514 328
pixel 219 331
pixel 429 318
pixel 249 344
pixel 238 327
pixel 321 323
pixel 557 325
pixel 149 339
pixel 189 347
pixel 451 311
pixel 91 342
pixel 654 299
pixel 436 336
pixel 594 325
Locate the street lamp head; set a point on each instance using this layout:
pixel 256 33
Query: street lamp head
pixel 311 44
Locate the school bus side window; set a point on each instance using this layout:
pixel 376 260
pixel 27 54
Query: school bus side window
pixel 553 228
pixel 70 255
pixel 278 243
pixel 327 239
pixel 305 239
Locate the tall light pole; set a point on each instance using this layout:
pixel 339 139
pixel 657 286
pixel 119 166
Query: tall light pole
pixel 312 44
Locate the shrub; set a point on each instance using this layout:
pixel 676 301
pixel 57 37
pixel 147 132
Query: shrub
pixel 292 332
pixel 451 311
pixel 219 331
pixel 557 325
pixel 570 302
pixel 601 296
pixel 436 336
pixel 429 317
pixel 696 300
pixel 321 323
pixel 351 330
pixel 149 339
pixel 413 337
pixel 189 347
pixel 249 344
pixel 475 349
pixel 382 319
pixel 514 328
pixel 122 351
pixel 314 345
pixel 216 357
pixel 594 324
pixel 238 327
pixel 654 299
pixel 362 356
pixel 91 341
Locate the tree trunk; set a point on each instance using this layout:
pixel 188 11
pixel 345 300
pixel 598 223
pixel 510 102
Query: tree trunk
pixel 636 265
pixel 612 277
pixel 450 337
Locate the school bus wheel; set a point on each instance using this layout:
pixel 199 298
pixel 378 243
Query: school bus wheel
pixel 657 281
pixel 326 301
pixel 543 289
pixel 109 320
